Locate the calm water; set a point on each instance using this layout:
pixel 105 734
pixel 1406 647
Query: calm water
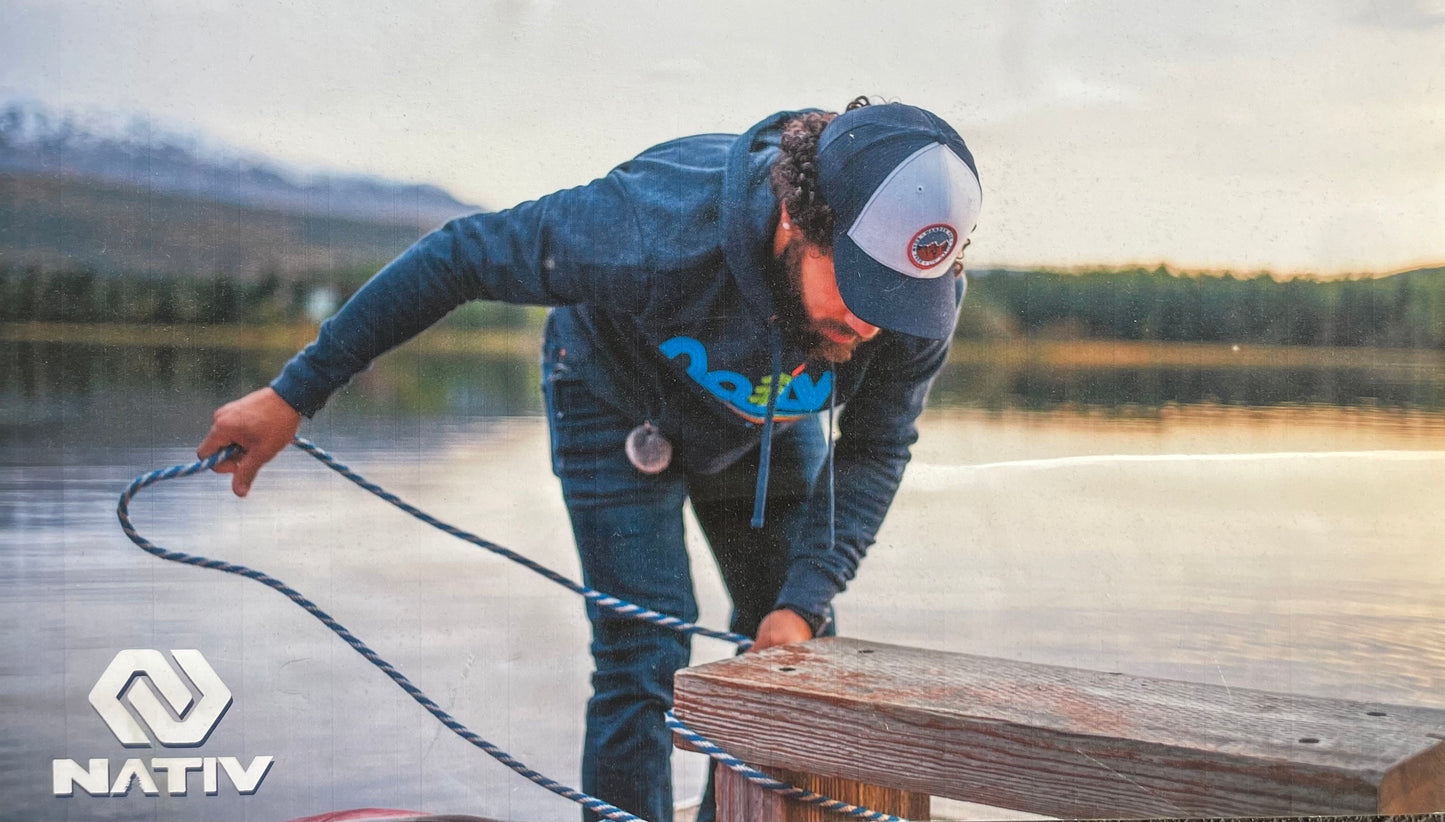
pixel 1258 527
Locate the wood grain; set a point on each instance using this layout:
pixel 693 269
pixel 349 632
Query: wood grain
pixel 1416 785
pixel 739 800
pixel 1059 741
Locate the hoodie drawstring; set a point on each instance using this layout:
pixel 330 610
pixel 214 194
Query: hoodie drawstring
pixel 832 406
pixel 765 450
pixel 765 455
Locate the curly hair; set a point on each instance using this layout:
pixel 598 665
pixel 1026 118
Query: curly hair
pixel 794 176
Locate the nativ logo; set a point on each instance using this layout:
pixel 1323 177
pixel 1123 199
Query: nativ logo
pixel 178 701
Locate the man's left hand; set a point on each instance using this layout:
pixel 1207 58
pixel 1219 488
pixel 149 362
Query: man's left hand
pixel 781 627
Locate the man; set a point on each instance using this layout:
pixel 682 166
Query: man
pixel 713 298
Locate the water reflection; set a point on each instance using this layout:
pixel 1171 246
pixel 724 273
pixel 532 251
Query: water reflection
pixel 50 382
pixel 1020 532
pixel 1042 387
pixel 113 394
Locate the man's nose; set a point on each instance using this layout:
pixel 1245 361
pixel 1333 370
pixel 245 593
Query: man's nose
pixel 862 329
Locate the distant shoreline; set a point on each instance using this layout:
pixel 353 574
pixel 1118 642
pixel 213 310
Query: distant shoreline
pixel 1089 353
pixel 1081 353
pixel 290 337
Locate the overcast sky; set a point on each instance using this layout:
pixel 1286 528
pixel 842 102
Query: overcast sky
pixel 1294 136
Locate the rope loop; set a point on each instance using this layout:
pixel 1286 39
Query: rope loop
pixel 620 606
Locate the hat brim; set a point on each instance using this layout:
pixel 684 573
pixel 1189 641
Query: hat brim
pixel 878 295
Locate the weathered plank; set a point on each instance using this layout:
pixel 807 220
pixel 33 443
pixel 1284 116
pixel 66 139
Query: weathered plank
pixel 1061 741
pixel 1416 785
pixel 739 800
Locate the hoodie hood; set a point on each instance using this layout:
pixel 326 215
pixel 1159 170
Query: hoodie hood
pixel 747 229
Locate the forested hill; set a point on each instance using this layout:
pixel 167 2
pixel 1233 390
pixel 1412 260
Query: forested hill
pixel 1400 310
pixel 59 224
pixel 86 193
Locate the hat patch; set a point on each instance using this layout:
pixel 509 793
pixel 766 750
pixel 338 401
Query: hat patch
pixel 932 245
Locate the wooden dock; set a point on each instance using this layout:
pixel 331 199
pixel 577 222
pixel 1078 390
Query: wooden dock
pixel 889 727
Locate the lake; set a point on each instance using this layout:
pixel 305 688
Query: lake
pixel 1259 519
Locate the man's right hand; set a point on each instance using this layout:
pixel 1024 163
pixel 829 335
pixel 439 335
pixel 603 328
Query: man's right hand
pixel 261 423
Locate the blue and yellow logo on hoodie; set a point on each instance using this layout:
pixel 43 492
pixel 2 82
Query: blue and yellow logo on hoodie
pixel 797 394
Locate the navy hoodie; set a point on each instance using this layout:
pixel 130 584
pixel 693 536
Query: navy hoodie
pixel 658 277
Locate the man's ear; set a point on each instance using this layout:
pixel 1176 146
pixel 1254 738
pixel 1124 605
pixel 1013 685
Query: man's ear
pixel 784 233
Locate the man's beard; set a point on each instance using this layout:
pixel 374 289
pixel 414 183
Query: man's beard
pixel 787 288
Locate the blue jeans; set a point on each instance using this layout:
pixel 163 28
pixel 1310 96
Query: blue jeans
pixel 629 532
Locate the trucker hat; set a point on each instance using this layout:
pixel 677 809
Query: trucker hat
pixel 905 196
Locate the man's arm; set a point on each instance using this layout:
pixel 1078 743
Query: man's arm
pixel 578 245
pixel 877 429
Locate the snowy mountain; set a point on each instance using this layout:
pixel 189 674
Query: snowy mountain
pixel 135 150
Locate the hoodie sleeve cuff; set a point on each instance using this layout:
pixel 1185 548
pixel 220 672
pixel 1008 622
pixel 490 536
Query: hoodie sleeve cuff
pixel 817 624
pixel 808 593
pixel 301 387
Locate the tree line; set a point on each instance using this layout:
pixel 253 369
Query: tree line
pixel 80 295
pixel 1403 310
pixel 34 293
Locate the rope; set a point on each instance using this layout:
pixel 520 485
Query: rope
pixel 604 600
pixel 620 606
pixel 774 785
pixel 123 512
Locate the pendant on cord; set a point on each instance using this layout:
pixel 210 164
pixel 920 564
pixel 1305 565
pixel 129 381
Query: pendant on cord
pixel 647 449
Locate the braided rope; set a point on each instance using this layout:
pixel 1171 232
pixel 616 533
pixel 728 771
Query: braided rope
pixel 775 785
pixel 593 804
pixel 620 606
pixel 604 600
